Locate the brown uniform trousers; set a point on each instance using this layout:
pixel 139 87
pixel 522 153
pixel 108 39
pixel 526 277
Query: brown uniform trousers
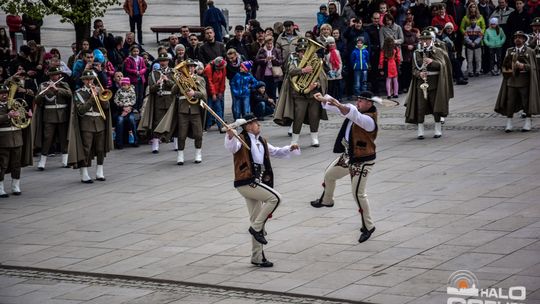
pixel 11 143
pixel 55 116
pixel 304 104
pixel 162 95
pixel 189 115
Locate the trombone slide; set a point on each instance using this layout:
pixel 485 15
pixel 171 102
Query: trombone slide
pixel 205 106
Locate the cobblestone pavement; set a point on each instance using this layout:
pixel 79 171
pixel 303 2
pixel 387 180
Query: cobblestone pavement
pixel 24 286
pixel 466 201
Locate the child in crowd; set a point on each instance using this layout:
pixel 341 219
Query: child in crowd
pixel 494 39
pixel 360 64
pixel 241 85
pixel 473 39
pixel 125 99
pixel 322 15
pixel 389 61
pixel 383 10
pixel 261 103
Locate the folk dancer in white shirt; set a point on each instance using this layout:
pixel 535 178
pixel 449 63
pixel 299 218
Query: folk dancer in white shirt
pixel 254 180
pixel 356 143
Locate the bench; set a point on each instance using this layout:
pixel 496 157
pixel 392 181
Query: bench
pixel 172 29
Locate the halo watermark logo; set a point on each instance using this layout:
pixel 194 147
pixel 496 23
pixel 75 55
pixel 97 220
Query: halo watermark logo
pixel 463 288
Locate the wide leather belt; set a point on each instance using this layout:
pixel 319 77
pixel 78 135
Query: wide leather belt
pixel 430 73
pixel 92 114
pixel 9 129
pixel 164 93
pixel 56 106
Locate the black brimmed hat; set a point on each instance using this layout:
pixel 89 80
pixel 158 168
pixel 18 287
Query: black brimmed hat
pixel 426 35
pixel 3 88
pixel 55 71
pixel 520 33
pixel 88 74
pixel 536 21
pixel 163 57
pixel 190 61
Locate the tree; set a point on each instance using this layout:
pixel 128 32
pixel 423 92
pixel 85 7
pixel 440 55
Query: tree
pixel 77 12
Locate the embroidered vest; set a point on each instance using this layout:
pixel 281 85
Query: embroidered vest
pixel 362 143
pixel 244 173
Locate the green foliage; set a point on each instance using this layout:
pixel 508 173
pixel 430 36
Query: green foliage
pixel 72 11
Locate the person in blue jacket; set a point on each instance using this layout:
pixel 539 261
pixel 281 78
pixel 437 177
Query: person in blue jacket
pixel 241 85
pixel 360 66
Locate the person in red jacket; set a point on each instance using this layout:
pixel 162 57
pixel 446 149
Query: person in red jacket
pixel 443 18
pixel 215 73
pixel 389 61
pixel 135 9
pixel 14 23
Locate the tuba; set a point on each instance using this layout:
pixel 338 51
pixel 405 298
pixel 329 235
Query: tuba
pixel 184 81
pixel 301 82
pixel 18 105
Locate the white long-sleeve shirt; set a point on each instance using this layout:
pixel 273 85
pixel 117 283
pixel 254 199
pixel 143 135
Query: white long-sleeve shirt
pixel 364 121
pixel 257 149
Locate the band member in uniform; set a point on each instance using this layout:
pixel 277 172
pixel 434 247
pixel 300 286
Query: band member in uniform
pixel 297 108
pixel 160 100
pixel 15 145
pixel 191 115
pixel 254 179
pixel 356 142
pixel 90 131
pixel 431 87
pixel 519 88
pixel 534 40
pixel 51 118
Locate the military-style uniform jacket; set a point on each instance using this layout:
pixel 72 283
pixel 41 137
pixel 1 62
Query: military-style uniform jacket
pixel 13 137
pixel 53 108
pixel 85 117
pixel 245 172
pixel 160 100
pixel 439 80
pixel 526 79
pixel 185 107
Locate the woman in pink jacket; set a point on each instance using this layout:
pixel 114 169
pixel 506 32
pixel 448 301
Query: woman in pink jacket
pixel 135 69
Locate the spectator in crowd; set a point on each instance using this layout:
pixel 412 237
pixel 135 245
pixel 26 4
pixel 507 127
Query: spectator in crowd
pixel 250 7
pixel 234 59
pixel 179 54
pixel 402 10
pixel 173 42
pixel 211 48
pixel 238 42
pixel 383 11
pixel 87 63
pixel 269 59
pixel 373 31
pixel 135 9
pixel 184 35
pixel 473 39
pixel 486 8
pixel 392 30
pixel 472 12
pixel 519 19
pixel 5 47
pixel 287 40
pixel 322 15
pixel 37 59
pixel 213 17
pixel 73 57
pixel 389 61
pixel 14 23
pixel 334 67
pixel 55 53
pixel 241 86
pixel 215 73
pixel 442 18
pixel 261 103
pixel 494 39
pixel 502 13
pixel 108 68
pixel 334 19
pixel 410 41
pixel 360 66
pixel 125 99
pixel 100 37
pixel 115 55
pixel 349 10
pixel 32 25
pixel 135 69
pixel 449 38
pixel 193 47
pixel 421 14
pixel 256 45
pixel 129 41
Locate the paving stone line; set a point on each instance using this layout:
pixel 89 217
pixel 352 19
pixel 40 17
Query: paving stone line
pixel 159 286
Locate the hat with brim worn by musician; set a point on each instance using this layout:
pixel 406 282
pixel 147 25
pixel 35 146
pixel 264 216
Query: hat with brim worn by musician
pixel 536 22
pixel 246 120
pixel 163 57
pixel 55 71
pixel 520 33
pixel 191 62
pixel 88 74
pixel 426 35
pixel 4 88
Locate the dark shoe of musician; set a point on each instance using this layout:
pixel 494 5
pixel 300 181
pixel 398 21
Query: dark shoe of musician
pixel 318 204
pixel 155 151
pixel 101 179
pixel 87 181
pixel 366 234
pixel 461 81
pixel 258 235
pixel 265 263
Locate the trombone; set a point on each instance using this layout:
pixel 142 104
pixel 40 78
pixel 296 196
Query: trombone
pixel 104 95
pixel 98 103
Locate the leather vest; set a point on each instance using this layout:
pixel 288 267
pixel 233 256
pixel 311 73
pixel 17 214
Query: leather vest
pixel 245 171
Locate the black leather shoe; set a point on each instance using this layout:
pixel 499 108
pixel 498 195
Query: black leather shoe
pixel 507 131
pixel 155 152
pixel 420 137
pixel 17 193
pixel 41 169
pixel 315 145
pixel 101 179
pixel 180 163
pixel 87 181
pixel 4 195
pixel 366 234
pixel 265 263
pixel 437 136
pixel 318 204
pixel 258 235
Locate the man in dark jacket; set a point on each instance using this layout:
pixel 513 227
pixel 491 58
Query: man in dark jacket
pixel 211 48
pixel 238 42
pixel 214 17
pixel 373 32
